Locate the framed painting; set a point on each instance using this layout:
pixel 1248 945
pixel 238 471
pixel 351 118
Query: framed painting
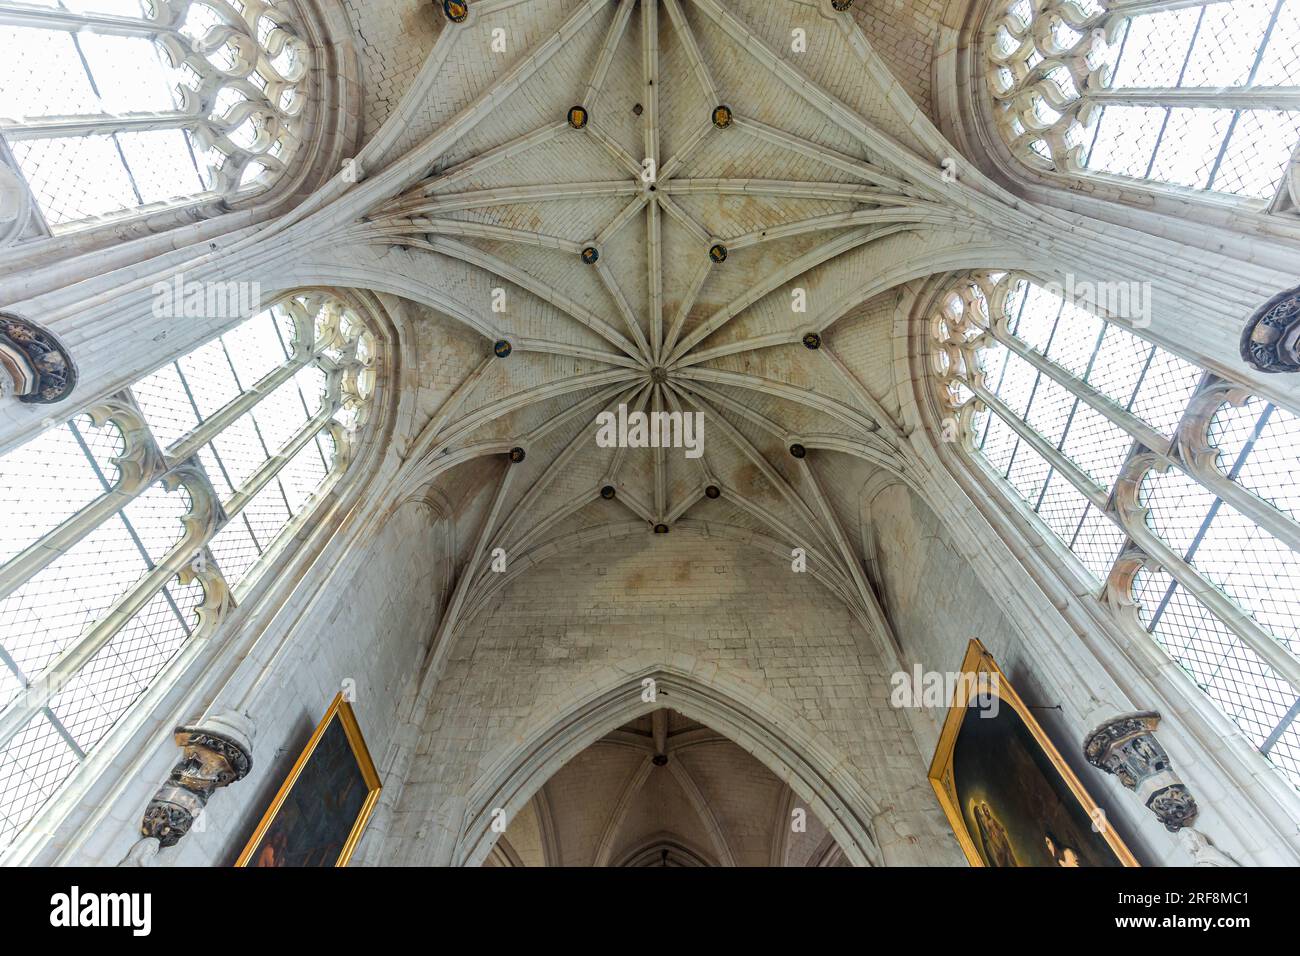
pixel 321 809
pixel 1011 799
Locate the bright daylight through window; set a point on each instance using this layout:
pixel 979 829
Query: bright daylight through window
pixel 127 527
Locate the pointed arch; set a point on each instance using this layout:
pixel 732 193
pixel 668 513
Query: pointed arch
pixel 777 737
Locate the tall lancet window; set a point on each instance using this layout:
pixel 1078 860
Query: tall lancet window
pixel 133 528
pixel 112 106
pixel 1202 97
pixel 1176 490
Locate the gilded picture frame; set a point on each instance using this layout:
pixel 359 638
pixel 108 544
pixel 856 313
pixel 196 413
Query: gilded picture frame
pixel 989 785
pixel 322 808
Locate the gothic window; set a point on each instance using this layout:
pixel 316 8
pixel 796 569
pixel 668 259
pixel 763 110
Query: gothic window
pixel 1197 96
pixel 132 528
pixel 1175 489
pixel 110 106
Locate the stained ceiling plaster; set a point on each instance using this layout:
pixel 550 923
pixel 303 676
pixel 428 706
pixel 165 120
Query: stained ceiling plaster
pixel 821 182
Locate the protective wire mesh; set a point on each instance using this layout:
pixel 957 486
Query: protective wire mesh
pixel 75 91
pixel 1135 127
pixel 1259 448
pixel 48 480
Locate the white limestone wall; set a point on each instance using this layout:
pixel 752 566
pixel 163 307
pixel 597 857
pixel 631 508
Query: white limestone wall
pixel 372 628
pixel 717 608
pixel 394 39
pixel 933 596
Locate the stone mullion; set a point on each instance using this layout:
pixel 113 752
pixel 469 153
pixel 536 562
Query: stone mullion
pixel 1064 158
pixel 46 128
pixel 210 132
pixel 144 462
pixel 1171 451
pixel 1140 430
pixel 305 350
pixel 55 19
pixel 141 464
pixel 211 427
pixel 1132 8
pixel 271 467
pixel 1132 517
pixel 958 347
pixel 202 519
pixel 1077 477
pixel 1212 98
pixel 1190 451
pixel 189 558
pixel 1198 457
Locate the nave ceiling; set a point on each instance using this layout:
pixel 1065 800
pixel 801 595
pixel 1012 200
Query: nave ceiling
pixel 752 278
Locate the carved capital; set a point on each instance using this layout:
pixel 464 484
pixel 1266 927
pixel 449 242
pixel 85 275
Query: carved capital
pixel 1127 747
pixel 1271 340
pixel 215 754
pixel 41 370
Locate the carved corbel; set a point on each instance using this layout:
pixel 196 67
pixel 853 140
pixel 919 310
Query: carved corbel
pixel 215 753
pixel 39 367
pixel 1127 747
pixel 1271 340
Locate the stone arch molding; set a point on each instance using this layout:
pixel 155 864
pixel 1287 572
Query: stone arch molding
pixel 797 753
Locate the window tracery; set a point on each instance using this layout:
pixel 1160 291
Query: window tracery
pixel 131 528
pixel 1198 96
pixel 1173 487
pixel 110 106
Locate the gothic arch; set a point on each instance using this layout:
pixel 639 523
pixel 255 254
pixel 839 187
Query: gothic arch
pixel 336 326
pixel 784 742
pixel 967 118
pixel 664 850
pixel 328 106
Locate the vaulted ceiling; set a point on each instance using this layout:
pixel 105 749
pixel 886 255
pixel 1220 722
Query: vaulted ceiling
pixel 676 205
pixel 665 791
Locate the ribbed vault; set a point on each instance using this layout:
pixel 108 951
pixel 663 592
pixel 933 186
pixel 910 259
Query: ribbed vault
pixel 664 790
pixel 657 206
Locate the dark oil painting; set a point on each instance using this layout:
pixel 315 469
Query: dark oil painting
pixel 322 807
pixel 1018 809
